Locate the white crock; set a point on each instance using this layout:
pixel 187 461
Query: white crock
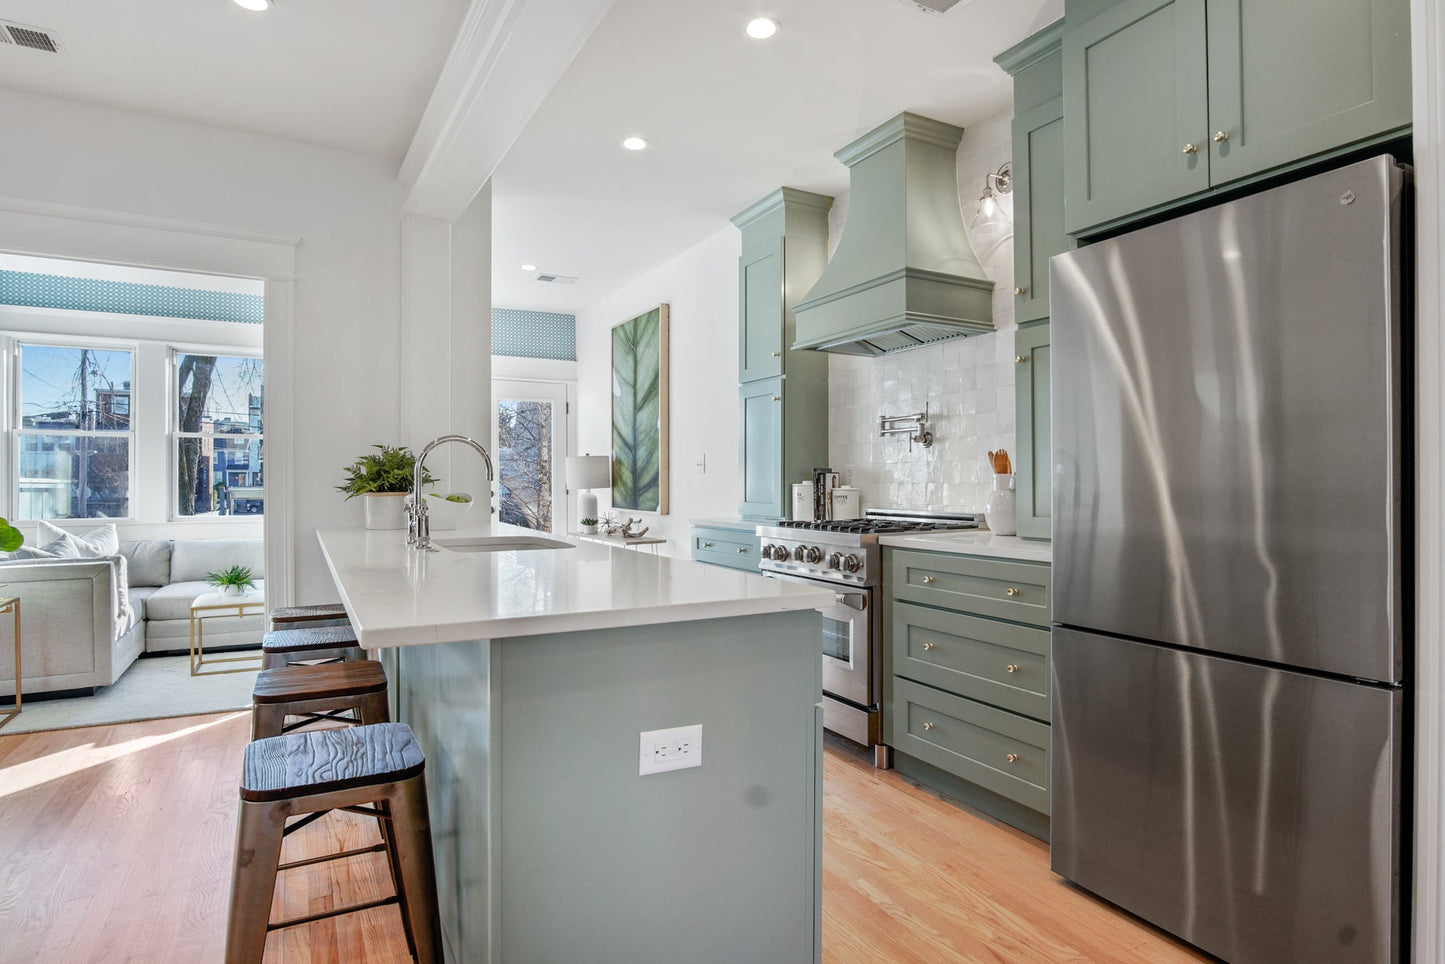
pixel 1000 511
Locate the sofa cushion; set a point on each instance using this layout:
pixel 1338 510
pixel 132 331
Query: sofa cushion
pixel 150 561
pixel 90 543
pixel 192 559
pixel 138 597
pixel 174 601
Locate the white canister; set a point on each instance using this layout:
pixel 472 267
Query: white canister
pixel 1000 513
pixel 846 504
pixel 803 502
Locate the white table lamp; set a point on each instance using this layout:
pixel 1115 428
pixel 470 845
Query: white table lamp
pixel 585 472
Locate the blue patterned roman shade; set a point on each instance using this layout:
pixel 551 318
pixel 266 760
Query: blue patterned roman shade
pixel 534 334
pixel 127 298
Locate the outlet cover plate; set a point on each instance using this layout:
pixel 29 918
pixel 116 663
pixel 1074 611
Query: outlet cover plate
pixel 676 748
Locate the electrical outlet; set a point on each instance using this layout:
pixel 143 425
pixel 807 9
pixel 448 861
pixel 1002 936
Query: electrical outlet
pixel 677 748
pixel 701 464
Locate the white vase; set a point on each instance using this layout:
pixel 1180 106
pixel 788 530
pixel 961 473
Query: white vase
pixel 385 510
pixel 1000 511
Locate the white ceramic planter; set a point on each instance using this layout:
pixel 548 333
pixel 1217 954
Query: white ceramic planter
pixel 385 510
pixel 447 515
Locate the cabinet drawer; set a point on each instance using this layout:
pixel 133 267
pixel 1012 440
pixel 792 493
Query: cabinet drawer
pixel 988 587
pixel 1000 663
pixel 725 547
pixel 997 750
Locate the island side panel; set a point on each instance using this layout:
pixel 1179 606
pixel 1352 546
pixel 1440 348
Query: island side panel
pixel 591 861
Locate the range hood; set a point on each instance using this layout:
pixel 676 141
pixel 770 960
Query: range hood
pixel 904 273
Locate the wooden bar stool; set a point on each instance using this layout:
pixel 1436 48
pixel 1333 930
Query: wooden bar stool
pixel 289 617
pixel 372 770
pixel 318 694
pixel 282 647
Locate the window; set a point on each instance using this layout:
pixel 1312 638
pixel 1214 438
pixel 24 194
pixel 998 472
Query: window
pixel 219 435
pixel 75 435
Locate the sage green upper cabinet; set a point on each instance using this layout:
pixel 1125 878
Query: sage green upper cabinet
pixel 1292 78
pixel 761 424
pixel 760 301
pixel 1135 109
pixel 1033 473
pixel 1036 65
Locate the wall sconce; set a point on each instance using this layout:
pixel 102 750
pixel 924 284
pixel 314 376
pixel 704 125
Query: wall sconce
pixel 990 215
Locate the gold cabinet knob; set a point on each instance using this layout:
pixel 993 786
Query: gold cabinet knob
pixel 707 545
pixel 777 398
pixel 1012 667
pixel 927 646
pixel 1020 359
pixel 1012 758
pixel 1011 591
pixel 1019 291
pixel 1191 148
pixel 742 549
pixel 927 579
pixel 1221 136
pixel 928 726
pixel 777 354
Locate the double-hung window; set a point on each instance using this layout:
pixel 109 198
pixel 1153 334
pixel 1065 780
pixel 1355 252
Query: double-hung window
pixel 219 434
pixel 75 440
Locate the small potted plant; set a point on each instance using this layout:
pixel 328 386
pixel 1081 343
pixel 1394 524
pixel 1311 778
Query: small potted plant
pixel 384 477
pixel 447 511
pixel 233 581
pixel 589 527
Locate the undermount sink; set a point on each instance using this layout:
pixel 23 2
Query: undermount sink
pixel 500 544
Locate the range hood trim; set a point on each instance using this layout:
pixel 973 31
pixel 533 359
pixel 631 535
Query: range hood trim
pixel 910 274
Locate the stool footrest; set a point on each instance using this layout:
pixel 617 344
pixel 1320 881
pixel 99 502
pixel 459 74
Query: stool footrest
pixel 322 915
pixel 308 861
pixel 335 716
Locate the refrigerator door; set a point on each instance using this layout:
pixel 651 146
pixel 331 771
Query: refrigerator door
pixel 1252 811
pixel 1226 428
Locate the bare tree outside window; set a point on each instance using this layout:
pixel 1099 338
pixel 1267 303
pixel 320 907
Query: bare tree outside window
pixel 524 460
pixel 220 438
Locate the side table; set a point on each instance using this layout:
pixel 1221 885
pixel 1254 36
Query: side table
pixel 12 606
pixel 212 605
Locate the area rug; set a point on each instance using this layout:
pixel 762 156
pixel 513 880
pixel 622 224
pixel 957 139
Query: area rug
pixel 152 688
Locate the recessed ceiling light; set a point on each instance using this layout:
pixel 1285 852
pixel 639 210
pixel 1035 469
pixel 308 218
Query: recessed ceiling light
pixel 529 267
pixel 254 5
pixel 634 143
pixel 761 28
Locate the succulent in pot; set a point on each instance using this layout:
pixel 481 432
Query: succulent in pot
pixel 589 526
pixel 384 477
pixel 232 581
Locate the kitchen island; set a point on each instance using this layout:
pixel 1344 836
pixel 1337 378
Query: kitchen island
pixel 528 675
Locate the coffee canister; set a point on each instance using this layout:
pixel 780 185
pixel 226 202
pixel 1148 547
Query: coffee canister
pixel 803 502
pixel 846 503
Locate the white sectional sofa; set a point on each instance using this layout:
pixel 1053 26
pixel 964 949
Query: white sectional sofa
pixel 84 621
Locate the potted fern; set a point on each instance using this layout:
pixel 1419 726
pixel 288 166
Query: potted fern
pixel 384 478
pixel 232 581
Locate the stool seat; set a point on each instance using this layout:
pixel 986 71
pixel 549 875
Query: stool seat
pixel 305 614
pixel 307 637
pixel 328 681
pixel 326 761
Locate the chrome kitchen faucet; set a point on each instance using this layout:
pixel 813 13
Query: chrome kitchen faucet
pixel 418 526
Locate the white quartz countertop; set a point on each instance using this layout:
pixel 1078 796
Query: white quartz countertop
pixel 397 596
pixel 973 543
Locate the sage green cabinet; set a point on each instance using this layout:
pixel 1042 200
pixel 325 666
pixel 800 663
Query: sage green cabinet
pixel 783 393
pixel 1165 99
pixel 726 546
pixel 1033 471
pixel 1036 66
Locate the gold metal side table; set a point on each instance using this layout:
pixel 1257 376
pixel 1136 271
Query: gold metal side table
pixel 213 604
pixel 11 606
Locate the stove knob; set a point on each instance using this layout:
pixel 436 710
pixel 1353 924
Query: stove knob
pixel 835 560
pixel 850 563
pixel 780 553
pixel 768 551
pixel 798 554
pixel 815 555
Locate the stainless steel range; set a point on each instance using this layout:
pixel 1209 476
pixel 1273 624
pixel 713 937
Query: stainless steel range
pixel 846 556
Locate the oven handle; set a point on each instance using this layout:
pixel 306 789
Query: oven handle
pixel 853 600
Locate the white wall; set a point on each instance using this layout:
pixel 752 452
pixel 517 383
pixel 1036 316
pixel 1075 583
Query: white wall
pixel 967 383
pixel 346 209
pixel 701 287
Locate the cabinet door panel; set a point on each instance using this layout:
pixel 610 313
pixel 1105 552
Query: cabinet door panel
pixel 1135 95
pixel 1292 78
pixel 1034 479
pixel 1038 205
pixel 760 295
pixel 762 449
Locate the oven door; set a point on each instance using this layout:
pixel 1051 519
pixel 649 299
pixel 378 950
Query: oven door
pixel 847 646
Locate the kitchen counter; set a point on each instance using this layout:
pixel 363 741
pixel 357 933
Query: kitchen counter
pixel 973 543
pixel 398 597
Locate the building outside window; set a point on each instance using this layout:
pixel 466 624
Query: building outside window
pixel 219 435
pixel 75 437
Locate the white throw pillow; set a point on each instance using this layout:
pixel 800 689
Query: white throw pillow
pixel 89 544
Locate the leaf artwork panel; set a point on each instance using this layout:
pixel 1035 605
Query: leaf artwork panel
pixel 639 412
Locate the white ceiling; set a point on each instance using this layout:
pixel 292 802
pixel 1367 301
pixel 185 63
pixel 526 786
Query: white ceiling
pixel 728 120
pixel 354 74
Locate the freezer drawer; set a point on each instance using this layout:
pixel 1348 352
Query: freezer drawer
pixel 1252 811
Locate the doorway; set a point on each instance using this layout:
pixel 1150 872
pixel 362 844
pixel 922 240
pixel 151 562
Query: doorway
pixel 530 437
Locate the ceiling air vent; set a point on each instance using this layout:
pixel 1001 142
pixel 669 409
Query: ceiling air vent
pixel 32 38
pixel 557 279
pixel 934 6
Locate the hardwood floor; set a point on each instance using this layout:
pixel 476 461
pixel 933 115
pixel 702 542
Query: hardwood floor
pixel 116 845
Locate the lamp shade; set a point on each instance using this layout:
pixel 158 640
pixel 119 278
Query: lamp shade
pixel 589 471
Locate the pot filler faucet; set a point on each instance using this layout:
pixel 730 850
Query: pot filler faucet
pixel 418 526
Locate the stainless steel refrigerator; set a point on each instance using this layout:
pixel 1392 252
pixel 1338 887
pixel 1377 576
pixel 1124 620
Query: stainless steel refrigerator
pixel 1230 653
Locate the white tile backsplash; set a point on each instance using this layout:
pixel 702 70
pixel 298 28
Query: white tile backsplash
pixel 967 383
